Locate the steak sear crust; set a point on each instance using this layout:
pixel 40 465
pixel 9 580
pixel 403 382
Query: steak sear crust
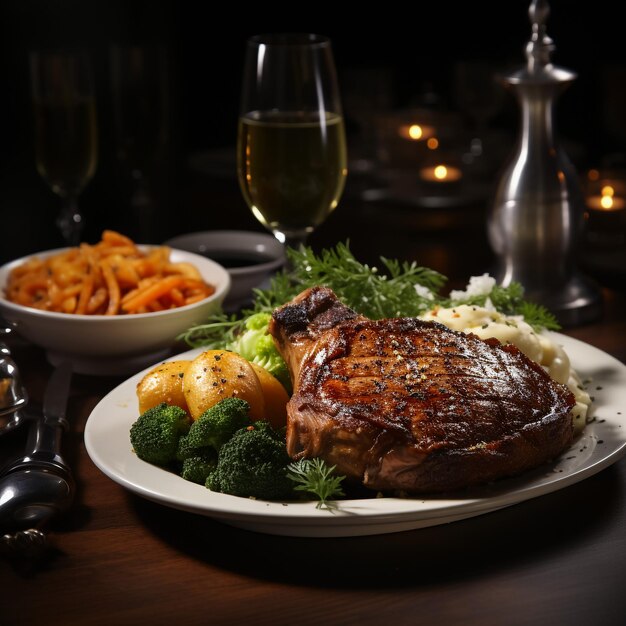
pixel 407 405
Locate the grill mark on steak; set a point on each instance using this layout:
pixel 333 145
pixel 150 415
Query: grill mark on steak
pixel 404 404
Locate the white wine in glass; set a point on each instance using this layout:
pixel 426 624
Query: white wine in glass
pixel 291 149
pixel 65 126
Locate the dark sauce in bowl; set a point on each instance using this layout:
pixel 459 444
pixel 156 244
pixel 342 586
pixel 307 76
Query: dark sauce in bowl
pixel 233 260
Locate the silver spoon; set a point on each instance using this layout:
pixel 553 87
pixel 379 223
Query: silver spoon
pixel 39 484
pixel 32 494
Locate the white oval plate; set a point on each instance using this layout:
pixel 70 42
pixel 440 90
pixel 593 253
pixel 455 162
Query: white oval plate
pixel 602 443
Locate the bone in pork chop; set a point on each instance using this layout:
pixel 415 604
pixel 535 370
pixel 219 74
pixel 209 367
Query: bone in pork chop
pixel 407 405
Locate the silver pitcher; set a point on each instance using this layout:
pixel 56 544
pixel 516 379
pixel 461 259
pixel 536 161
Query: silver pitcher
pixel 537 216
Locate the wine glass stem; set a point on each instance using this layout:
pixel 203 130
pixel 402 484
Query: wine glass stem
pixel 291 240
pixel 295 241
pixel 70 221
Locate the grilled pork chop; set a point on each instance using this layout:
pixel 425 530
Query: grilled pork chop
pixel 407 405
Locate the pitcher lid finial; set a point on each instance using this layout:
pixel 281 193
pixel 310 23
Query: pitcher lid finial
pixel 540 46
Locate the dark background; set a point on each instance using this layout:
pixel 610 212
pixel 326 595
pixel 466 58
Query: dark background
pixel 413 46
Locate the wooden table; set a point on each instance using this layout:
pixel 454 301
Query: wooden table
pixel 119 559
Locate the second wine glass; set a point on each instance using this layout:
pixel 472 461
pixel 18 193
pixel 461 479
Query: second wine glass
pixel 291 149
pixel 66 136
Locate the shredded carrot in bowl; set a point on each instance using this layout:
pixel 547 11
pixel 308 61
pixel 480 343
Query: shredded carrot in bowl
pixel 111 277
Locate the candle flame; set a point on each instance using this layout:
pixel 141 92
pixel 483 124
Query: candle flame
pixel 441 171
pixel 415 132
pixel 606 202
pixel 606 198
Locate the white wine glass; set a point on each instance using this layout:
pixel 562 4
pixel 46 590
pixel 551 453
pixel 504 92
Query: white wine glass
pixel 291 148
pixel 65 127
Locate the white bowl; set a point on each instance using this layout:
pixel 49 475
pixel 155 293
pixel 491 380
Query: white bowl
pixel 118 344
pixel 249 257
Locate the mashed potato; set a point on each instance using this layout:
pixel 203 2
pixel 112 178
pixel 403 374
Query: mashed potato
pixel 487 323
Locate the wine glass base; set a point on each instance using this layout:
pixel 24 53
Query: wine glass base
pixel 71 223
pixel 292 239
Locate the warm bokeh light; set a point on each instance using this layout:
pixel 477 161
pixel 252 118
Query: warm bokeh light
pixel 610 198
pixel 593 175
pixel 441 174
pixel 432 143
pixel 415 131
pixel 606 202
pixel 441 171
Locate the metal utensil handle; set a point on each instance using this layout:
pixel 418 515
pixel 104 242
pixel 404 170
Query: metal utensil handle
pixel 44 436
pixel 16 394
pixel 29 543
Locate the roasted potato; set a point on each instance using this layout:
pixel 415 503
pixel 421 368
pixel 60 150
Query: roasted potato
pixel 218 374
pixel 164 383
pixel 275 396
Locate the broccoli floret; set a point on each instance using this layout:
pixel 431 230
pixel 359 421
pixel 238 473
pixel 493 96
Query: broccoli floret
pixel 186 449
pixel 155 434
pixel 196 468
pixel 257 345
pixel 253 464
pixel 216 425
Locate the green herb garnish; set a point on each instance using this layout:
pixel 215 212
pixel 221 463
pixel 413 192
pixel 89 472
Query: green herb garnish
pixel 510 301
pixel 317 478
pixel 400 289
pixel 363 288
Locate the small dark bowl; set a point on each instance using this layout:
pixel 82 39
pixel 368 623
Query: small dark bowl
pixel 249 257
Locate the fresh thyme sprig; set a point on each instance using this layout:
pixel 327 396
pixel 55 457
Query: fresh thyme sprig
pixel 316 477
